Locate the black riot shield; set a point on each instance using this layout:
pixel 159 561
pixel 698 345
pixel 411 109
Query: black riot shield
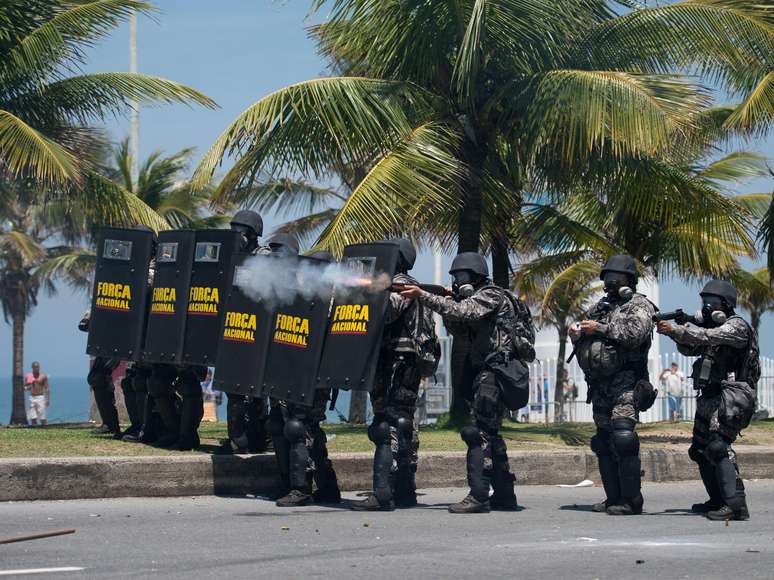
pixel 120 296
pixel 244 335
pixel 298 333
pixel 169 297
pixel 215 252
pixel 357 318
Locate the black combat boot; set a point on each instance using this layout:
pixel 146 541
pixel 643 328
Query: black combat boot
pixel 627 507
pixel 608 471
pixel 372 504
pixel 710 481
pixel 503 498
pixel 296 498
pixel 470 505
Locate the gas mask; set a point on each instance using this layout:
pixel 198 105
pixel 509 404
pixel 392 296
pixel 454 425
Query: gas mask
pixel 617 286
pixel 249 238
pixel 712 312
pixel 462 286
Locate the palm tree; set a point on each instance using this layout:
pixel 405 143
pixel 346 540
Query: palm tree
pixel 456 107
pixel 43 110
pixel 559 306
pixel 40 242
pixel 162 185
pixel 755 294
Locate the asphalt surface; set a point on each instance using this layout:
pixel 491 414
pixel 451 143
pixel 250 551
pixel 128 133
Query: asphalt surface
pixel 553 536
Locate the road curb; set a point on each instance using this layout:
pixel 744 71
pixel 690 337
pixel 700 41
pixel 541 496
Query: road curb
pixel 153 476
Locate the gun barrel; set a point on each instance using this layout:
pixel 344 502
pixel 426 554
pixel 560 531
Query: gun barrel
pixel 436 289
pixel 666 316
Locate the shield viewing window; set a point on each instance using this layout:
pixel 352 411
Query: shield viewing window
pixel 117 250
pixel 167 252
pixel 241 276
pixel 361 267
pixel 207 252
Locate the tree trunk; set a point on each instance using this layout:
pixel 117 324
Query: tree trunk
pixel 501 265
pixel 755 320
pixel 469 220
pixel 358 403
pixel 458 411
pixel 558 386
pixel 18 413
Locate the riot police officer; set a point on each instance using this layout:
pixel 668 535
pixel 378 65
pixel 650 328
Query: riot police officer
pixel 612 346
pixel 245 416
pixel 495 327
pixel 394 399
pixel 726 375
pixel 101 381
pixel 300 446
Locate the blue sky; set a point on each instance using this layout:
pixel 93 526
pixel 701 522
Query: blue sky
pixel 235 51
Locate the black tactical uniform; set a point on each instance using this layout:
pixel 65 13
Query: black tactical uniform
pixel 614 359
pixel 246 415
pixel 100 379
pixel 394 400
pixel 484 318
pixel 726 345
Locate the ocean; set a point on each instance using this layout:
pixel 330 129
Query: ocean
pixel 70 402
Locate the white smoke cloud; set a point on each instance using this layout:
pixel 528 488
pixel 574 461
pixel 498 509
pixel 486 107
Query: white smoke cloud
pixel 276 280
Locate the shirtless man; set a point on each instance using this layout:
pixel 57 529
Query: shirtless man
pixel 40 394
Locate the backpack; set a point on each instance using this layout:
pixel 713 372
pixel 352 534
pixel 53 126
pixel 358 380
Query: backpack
pixel 426 344
pixel 511 372
pixel 750 369
pixel 522 331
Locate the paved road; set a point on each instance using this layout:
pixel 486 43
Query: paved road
pixel 554 536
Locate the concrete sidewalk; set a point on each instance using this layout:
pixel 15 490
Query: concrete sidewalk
pixel 103 477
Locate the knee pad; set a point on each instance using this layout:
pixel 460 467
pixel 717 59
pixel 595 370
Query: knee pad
pixel 294 430
pixel 624 440
pixel 695 454
pixel 716 451
pixel 600 444
pixel 405 427
pixel 379 432
pixel 471 435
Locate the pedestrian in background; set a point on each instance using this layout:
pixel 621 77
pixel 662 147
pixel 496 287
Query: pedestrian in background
pixel 36 383
pixel 673 380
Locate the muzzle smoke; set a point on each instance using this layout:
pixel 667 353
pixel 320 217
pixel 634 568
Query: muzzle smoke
pixel 277 280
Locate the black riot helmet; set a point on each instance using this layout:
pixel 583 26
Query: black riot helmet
pixel 620 276
pixel 249 219
pixel 408 254
pixel 723 289
pixel 469 270
pixel 250 225
pixel 283 245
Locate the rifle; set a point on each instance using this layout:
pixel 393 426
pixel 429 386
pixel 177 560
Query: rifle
pixel 436 289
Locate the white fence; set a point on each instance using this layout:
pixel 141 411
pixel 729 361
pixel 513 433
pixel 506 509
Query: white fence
pixel 542 403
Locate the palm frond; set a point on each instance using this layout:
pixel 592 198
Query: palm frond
pixel 74 265
pixel 85 98
pixel 67 33
pixel 288 196
pixel 408 187
pixel 736 167
pixel 756 113
pixel 577 112
pixel 21 244
pixel 312 127
pixel 28 152
pixel 105 202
